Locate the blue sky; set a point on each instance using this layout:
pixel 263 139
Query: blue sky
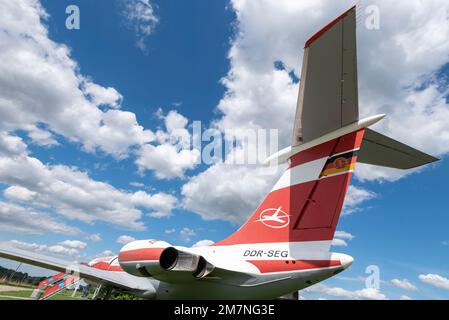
pixel 216 62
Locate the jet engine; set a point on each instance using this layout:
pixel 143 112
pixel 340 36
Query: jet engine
pixel 158 259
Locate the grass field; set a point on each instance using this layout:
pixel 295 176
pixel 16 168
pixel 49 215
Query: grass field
pixel 26 295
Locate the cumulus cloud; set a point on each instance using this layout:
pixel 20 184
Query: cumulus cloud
pixel 343 235
pixel 404 284
pixel 362 294
pixel 160 203
pixel 355 197
pixel 18 219
pixel 75 195
pixel 435 280
pixel 94 237
pixel 11 145
pixel 203 243
pixel 136 184
pixel 187 233
pixel 170 231
pixel 58 249
pixel 339 238
pixel 140 16
pixel 166 161
pixel 125 239
pixel 237 191
pixel 174 155
pixel 339 243
pixel 42 83
pixel 105 254
pixel 74 244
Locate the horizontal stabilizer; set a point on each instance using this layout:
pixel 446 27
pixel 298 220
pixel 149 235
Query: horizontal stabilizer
pixel 381 150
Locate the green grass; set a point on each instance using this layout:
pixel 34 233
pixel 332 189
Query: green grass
pixel 67 295
pixel 21 294
pixel 5 298
pixel 64 295
pixel 16 284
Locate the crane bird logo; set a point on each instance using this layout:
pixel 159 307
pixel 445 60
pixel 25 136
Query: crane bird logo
pixel 274 218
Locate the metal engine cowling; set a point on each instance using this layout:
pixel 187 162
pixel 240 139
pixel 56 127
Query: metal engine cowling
pixel 174 260
pixel 141 257
pixel 157 259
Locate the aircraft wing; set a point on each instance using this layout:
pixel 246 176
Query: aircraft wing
pixel 118 279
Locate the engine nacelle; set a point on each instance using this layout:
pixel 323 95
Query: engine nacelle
pixel 173 259
pixel 157 259
pixel 141 257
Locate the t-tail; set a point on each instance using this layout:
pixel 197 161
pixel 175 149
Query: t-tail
pixel 328 139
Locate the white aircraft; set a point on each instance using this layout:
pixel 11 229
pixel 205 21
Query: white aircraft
pixel 285 244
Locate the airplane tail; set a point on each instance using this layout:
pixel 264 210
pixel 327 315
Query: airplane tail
pixel 328 139
pixel 305 204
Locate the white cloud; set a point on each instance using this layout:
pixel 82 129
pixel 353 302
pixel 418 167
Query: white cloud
pixel 187 233
pixel 435 280
pixel 41 137
pixel 11 145
pixel 170 231
pixel 166 160
pixel 42 84
pixel 354 198
pixel 363 294
pixel 404 297
pixel 174 155
pixel 237 191
pixel 339 237
pixel 174 120
pixel 139 15
pixel 58 249
pixel 160 203
pixel 136 184
pixel 94 237
pixel 343 235
pixel 404 284
pixel 74 244
pixel 18 219
pixel 75 195
pixel 101 95
pixel 203 243
pixel 27 246
pixel 19 194
pixel 105 253
pixel 125 239
pixel 339 243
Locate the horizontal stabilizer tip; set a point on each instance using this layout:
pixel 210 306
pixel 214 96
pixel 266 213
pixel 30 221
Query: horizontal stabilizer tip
pixel 381 150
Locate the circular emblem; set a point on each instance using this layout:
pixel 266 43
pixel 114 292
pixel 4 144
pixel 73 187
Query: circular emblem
pixel 340 163
pixel 274 218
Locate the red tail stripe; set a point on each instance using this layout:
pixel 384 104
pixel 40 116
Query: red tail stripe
pixel 326 28
pixel 346 143
pixel 312 154
pixel 267 266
